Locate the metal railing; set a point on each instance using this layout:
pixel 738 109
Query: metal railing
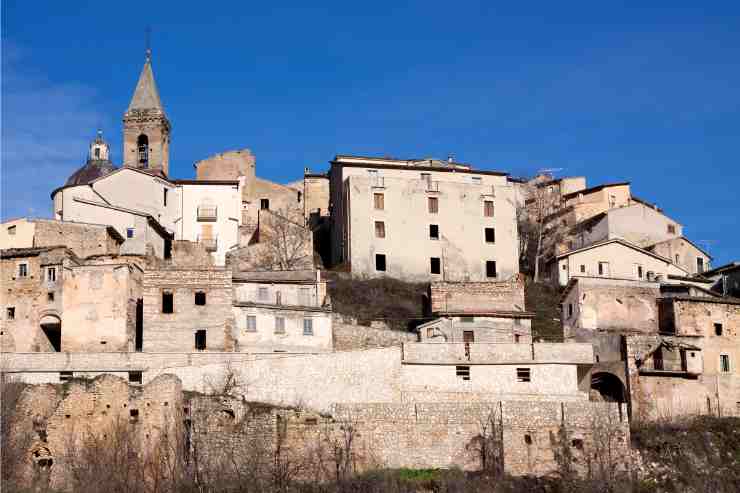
pixel 207 213
pixel 377 182
pixel 210 244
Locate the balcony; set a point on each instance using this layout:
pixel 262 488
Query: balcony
pixel 488 191
pixel 207 213
pixel 377 182
pixel 210 244
pixel 432 186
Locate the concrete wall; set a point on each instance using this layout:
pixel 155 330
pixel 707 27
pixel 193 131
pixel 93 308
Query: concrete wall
pixel 224 229
pixel 176 331
pixel 292 338
pixel 461 246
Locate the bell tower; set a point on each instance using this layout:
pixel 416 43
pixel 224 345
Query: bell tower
pixel 146 129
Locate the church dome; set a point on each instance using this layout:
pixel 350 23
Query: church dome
pixel 98 163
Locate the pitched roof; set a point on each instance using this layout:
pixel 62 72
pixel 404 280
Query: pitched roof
pixel 595 189
pixel 722 268
pixel 621 242
pixel 650 247
pixel 146 96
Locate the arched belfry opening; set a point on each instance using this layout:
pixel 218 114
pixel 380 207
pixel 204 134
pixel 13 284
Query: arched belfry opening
pixel 142 144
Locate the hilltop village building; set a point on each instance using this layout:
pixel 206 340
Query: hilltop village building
pixel 422 220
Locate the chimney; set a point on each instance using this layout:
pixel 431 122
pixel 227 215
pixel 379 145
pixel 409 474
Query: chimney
pixel 306 170
pixel 450 158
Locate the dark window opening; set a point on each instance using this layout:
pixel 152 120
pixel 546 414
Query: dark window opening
pixel 528 439
pixel 468 336
pixel 523 375
pixel 129 232
pixel 718 329
pixel 699 265
pixel 435 265
pixel 143 144
pixel 433 204
pixel 200 340
pixel 379 229
pixel 164 197
pixel 491 268
pixel 22 270
pixel 134 414
pixel 135 377
pixel 139 336
pixel 583 269
pixel 10 313
pixel 570 310
pixel 463 372
pixel 434 231
pixel 167 248
pixel 265 204
pixel 51 274
pixel 53 333
pixel 65 376
pixel 380 262
pixel 200 298
pixel 50 296
pixel 168 304
pixel 577 443
pixel 658 359
pixel 671 228
pixel 490 235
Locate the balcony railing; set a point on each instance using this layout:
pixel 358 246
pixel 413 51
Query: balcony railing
pixel 207 213
pixel 432 186
pixel 210 244
pixel 377 182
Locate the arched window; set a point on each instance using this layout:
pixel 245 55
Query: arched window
pixel 143 145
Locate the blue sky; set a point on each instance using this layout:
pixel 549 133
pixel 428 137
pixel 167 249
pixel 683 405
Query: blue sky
pixel 642 93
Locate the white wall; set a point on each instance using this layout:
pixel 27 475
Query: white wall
pixel 641 225
pixel 292 340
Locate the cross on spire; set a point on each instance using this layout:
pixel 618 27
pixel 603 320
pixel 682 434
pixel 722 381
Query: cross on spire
pixel 148 33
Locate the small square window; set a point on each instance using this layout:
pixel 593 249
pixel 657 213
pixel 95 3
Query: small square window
pixel 11 230
pixel 280 325
pixel 463 372
pixel 135 377
pixel 435 265
pixel 51 274
pixel 523 375
pixel 379 201
pixel 724 363
pixel 22 270
pixel 251 323
pixel 433 204
pixel 50 296
pixel 671 229
pixel 379 229
pixel 200 298
pixel 263 294
pixel 307 326
pixel 476 180
pixel 168 305
pixel 488 208
pixel 130 232
pixel 65 376
pixel 491 269
pixel 380 262
pixel 718 329
pixel 490 235
pixel 583 269
pixel 10 313
pixel 265 204
pixel 434 231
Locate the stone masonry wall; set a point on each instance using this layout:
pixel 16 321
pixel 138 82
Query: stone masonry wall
pixel 83 239
pixel 478 296
pixel 349 335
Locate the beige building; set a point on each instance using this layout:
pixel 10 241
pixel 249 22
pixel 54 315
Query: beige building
pixel 684 253
pixel 422 220
pixel 83 239
pixel 616 259
pixel 586 203
pixel 282 311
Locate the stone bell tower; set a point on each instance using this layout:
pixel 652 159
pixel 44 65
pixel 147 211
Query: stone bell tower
pixel 146 129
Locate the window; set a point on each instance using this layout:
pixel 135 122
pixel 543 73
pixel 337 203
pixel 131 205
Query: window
pixel 167 302
pixel 583 269
pixel 463 372
pixel 135 377
pixel 468 336
pixel 265 204
pixel 677 258
pixel 305 296
pixel 380 262
pixel 200 340
pixel 200 298
pixel 50 296
pixel 699 265
pixel 65 376
pixel 724 363
pixel 263 294
pixel 251 323
pixel 379 201
pixel 10 313
pixel 528 439
pixel 476 180
pixel 426 178
pixel 51 274
pixel 491 268
pixel 22 270
pixel 433 231
pixel 671 228
pixel 143 144
pixel 523 375
pixel 430 331
pixel 658 359
pixel 516 338
pixel 603 268
pixel 488 208
pixel 11 230
pixel 490 234
pixel 129 232
pixel 434 264
pixel 570 310
pixel 433 203
pixel 280 325
pixel 467 320
pixel 379 229
pixel 639 272
pixel 307 326
pixel 278 298
pixel 164 197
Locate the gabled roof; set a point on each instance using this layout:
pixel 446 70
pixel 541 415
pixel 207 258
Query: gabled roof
pixel 621 242
pixel 650 247
pixel 722 268
pixel 146 96
pixel 595 189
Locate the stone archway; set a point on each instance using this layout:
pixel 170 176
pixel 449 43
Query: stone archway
pixel 608 387
pixel 51 326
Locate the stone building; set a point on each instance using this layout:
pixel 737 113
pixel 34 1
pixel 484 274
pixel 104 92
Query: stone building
pixel 684 253
pixel 83 239
pixel 422 220
pixel 282 311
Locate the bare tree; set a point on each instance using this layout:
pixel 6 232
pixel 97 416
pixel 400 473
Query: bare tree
pixel 488 444
pixel 285 240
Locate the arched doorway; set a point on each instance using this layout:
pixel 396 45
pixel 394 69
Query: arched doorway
pixel 51 326
pixel 609 387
